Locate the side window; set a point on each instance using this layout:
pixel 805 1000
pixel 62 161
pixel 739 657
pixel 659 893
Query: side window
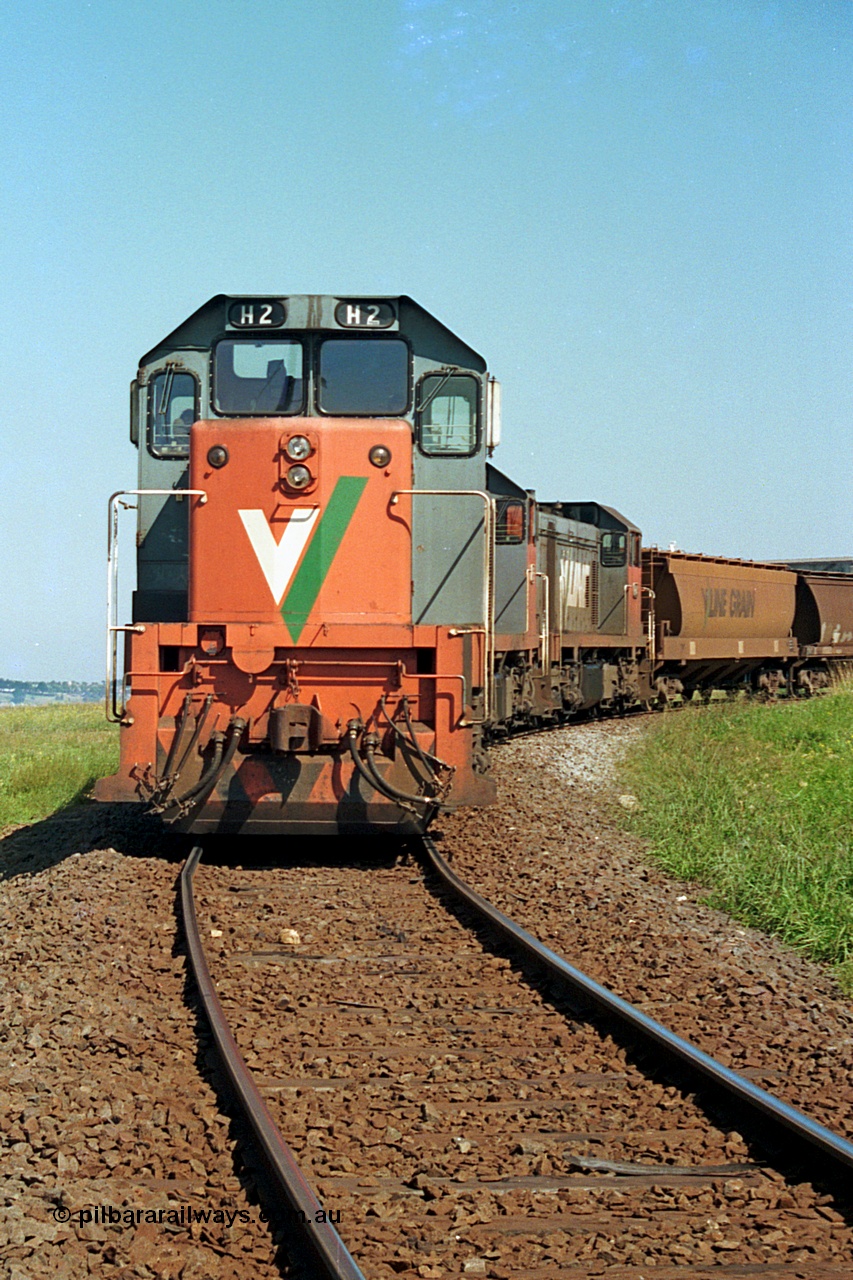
pixel 172 409
pixel 448 415
pixel 614 550
pixel 509 529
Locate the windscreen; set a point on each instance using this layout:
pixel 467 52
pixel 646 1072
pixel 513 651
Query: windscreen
pixel 363 375
pixel 258 377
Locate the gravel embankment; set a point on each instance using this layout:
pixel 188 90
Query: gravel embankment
pixel 105 1098
pixel 551 855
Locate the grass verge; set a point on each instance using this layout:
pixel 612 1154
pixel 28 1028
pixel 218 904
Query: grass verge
pixel 50 756
pixel 756 804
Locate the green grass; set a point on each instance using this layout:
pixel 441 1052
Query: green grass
pixel 756 804
pixel 50 756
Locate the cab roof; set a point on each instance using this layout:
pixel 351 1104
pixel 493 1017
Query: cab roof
pixel 312 311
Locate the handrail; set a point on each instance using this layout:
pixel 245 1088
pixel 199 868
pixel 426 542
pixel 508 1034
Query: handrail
pixel 650 623
pixel 113 711
pixel 545 630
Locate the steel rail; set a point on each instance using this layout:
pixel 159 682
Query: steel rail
pixel 322 1236
pixel 808 1130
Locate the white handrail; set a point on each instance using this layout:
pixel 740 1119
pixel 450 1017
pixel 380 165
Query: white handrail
pixel 545 629
pixel 650 624
pixel 114 712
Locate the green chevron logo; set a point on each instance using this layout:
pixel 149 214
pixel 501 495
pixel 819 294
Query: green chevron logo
pixel 322 549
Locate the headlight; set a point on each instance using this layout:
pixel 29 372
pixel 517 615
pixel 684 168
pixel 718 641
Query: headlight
pixel 380 455
pixel 298 447
pixel 298 477
pixel 217 456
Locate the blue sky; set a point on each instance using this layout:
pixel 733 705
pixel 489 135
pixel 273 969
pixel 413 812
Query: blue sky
pixel 639 212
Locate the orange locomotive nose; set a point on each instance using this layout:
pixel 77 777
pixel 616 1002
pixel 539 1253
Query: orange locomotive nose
pixel 298 545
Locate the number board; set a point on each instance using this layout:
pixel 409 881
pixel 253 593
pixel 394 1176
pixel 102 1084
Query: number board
pixel 365 315
pixel 256 314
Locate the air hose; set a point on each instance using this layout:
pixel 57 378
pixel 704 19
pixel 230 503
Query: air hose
pixel 224 749
pixel 419 805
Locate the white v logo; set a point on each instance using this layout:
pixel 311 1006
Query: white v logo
pixel 279 559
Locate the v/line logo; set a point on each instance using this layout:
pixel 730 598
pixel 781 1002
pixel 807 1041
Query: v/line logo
pixel 317 535
pixel 279 559
pixel 574 584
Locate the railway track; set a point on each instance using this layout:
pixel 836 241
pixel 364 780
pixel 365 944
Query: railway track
pixel 323 1240
pixel 457 1114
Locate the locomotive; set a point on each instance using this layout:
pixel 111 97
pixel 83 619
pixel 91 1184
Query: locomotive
pixel 340 600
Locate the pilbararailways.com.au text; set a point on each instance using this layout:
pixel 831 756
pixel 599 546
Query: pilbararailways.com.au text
pixel 104 1215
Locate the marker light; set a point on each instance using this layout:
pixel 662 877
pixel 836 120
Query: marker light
pixel 380 455
pixel 217 456
pixel 297 448
pixel 298 477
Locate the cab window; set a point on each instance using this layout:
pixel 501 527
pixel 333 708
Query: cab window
pixel 172 409
pixel 363 376
pixel 614 550
pixel 448 415
pixel 260 378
